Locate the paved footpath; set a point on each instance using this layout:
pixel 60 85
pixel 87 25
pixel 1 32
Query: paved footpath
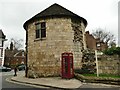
pixel 56 82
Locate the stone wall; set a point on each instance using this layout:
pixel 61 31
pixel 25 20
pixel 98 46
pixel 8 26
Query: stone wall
pixel 79 42
pixel 106 64
pixel 109 65
pixel 44 56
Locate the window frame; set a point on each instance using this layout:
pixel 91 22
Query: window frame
pixel 40 31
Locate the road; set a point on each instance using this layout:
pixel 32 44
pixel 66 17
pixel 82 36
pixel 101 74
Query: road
pixel 7 83
pixel 102 86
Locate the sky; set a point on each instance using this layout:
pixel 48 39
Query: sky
pixel 98 13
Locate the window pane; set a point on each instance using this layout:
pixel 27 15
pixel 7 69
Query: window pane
pixel 43 25
pixel 38 26
pixel 0 53
pixel 37 33
pixel 98 44
pixel 0 43
pixel 43 32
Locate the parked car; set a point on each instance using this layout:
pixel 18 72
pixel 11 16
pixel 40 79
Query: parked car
pixel 4 69
pixel 21 67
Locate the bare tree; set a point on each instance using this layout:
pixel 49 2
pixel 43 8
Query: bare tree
pixel 17 43
pixel 104 36
pixel 11 46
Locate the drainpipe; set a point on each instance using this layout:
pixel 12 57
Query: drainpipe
pixel 26 70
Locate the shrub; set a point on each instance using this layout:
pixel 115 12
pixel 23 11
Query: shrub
pixel 112 51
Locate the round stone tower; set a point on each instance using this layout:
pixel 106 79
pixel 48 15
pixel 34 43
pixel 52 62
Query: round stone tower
pixel 50 33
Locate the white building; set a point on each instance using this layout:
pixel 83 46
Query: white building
pixel 2 39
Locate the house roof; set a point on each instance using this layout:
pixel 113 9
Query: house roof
pixel 55 10
pixel 9 53
pixel 2 34
pixel 13 53
pixel 20 53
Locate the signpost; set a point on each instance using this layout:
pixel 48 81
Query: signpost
pixel 96 63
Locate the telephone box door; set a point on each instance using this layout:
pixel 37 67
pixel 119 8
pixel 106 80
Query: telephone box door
pixel 67 65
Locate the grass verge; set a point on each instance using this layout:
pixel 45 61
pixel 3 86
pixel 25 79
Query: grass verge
pixel 102 75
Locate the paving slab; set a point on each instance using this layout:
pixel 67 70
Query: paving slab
pixel 55 82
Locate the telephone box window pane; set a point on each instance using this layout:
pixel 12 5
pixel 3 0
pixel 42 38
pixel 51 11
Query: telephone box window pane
pixel 71 64
pixel 66 66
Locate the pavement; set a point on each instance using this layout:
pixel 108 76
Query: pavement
pixel 53 82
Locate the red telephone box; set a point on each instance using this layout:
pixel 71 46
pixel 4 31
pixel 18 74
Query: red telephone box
pixel 67 65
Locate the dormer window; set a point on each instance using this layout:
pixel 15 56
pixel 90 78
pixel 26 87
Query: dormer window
pixel 40 30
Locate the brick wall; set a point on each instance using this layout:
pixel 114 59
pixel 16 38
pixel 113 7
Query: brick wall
pixel 90 40
pixel 14 61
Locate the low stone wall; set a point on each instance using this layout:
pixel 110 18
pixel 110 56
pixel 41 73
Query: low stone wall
pixel 106 64
pixel 109 65
pixel 105 80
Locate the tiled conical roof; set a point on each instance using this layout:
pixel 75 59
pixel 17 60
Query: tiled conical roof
pixel 55 10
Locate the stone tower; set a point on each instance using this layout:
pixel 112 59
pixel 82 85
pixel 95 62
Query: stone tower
pixel 50 33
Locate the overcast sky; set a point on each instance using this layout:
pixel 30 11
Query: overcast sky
pixel 98 13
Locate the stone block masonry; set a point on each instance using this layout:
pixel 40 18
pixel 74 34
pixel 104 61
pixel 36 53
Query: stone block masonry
pixel 109 65
pixel 44 56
